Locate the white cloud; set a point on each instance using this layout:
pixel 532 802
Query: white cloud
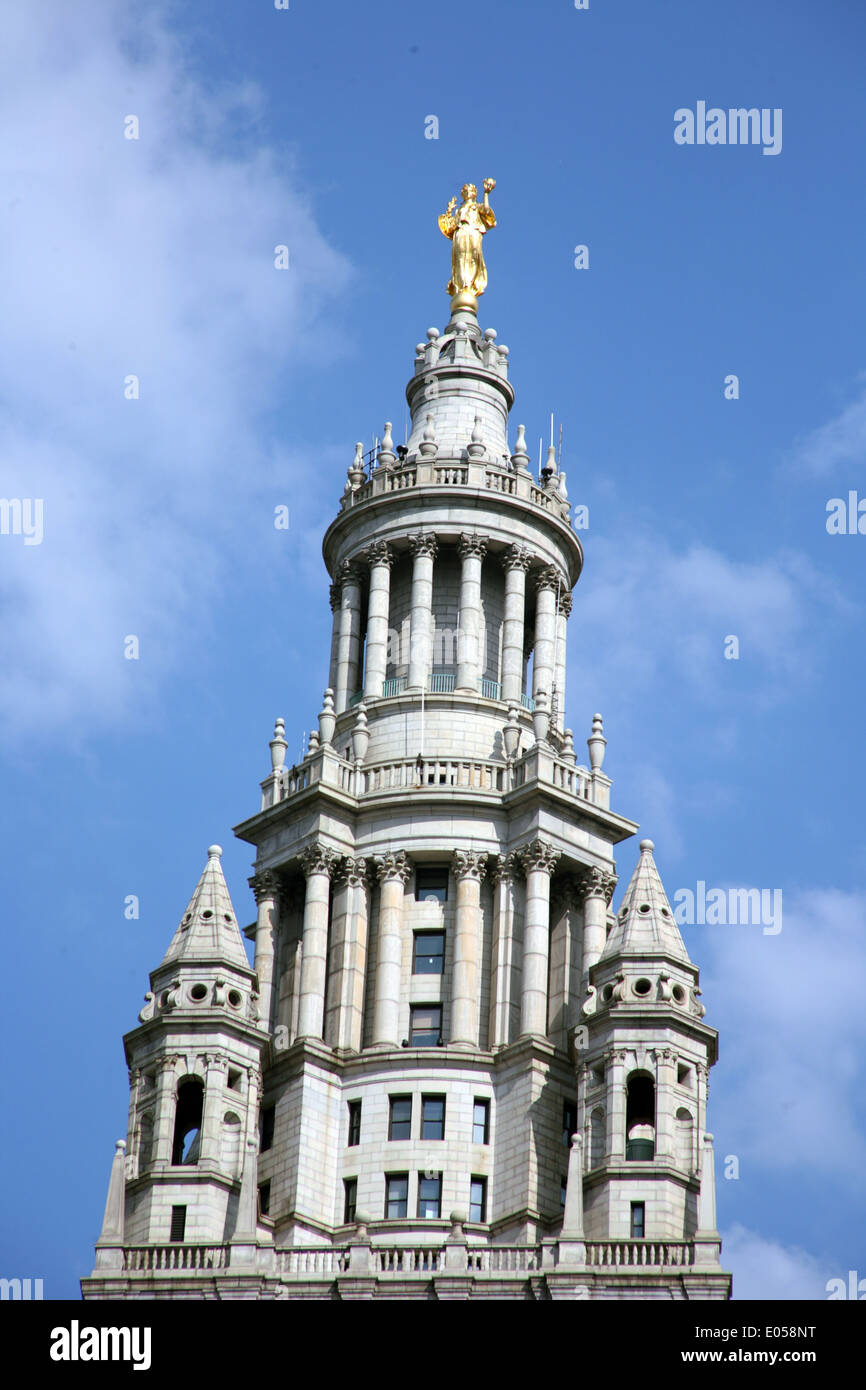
pixel 794 1038
pixel 155 258
pixel 765 1269
pixel 841 440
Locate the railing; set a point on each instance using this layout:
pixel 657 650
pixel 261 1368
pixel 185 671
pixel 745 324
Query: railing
pixel 294 779
pixel 503 1259
pixel 394 685
pixel 501 481
pixel 472 473
pixel 434 772
pixel 355 699
pixel 645 1253
pixel 490 690
pixel 574 780
pixel 528 703
pixel 313 1260
pixel 147 1259
pixel 415 1259
pixel 451 475
pixel 441 683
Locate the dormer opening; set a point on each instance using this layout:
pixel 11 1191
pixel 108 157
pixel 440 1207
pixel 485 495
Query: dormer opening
pixel 640 1117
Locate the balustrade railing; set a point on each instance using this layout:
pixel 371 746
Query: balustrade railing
pixel 151 1259
pixel 646 1253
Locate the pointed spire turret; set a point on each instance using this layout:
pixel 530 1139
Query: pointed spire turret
pixel 645 923
pixel 208 930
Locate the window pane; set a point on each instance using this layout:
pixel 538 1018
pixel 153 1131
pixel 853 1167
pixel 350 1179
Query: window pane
pixel 478 1199
pixel 350 1186
pixel 354 1122
pixel 433 1117
pixel 400 1126
pixel 429 1190
pixel 638 1220
pixel 481 1122
pixel 396 1195
pixel 268 1118
pixel 431 885
pixel 429 954
pixel 426 1029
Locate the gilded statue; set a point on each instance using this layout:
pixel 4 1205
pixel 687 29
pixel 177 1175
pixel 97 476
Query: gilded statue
pixel 465 226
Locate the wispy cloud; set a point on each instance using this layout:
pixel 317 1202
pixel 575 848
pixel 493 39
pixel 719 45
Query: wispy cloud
pixel 152 257
pixel 841 440
pixel 765 1269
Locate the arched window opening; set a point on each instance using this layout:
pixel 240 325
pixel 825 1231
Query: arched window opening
pixel 684 1141
pixel 230 1143
pixel 640 1117
pixel 596 1137
pixel 187 1121
pixel 145 1140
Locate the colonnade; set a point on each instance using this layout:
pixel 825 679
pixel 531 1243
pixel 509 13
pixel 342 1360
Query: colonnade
pixel 335 945
pixel 370 570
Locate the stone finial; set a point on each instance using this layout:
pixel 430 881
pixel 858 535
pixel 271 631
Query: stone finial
pixel 549 470
pixel 432 350
pixel 314 743
pixel 520 458
pixel 562 488
pixel 278 746
pixel 568 754
pixel 541 717
pixel 511 733
pixel 327 718
pixel 596 743
pixel 475 448
pixel 360 734
pixel 386 456
pixel 113 1221
pixel 356 468
pixel 428 448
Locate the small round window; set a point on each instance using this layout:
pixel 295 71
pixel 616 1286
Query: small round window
pixel 644 907
pixel 198 993
pixel 207 913
pixel 235 998
pixel 679 994
pixel 642 986
pixel 607 992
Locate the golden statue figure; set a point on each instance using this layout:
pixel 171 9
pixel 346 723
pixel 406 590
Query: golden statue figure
pixel 465 227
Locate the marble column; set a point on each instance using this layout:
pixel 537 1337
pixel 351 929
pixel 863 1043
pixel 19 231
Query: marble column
pixel 539 861
pixel 166 1097
pixel 515 561
pixel 563 612
pixel 334 594
pixel 378 556
pixel 545 631
pixel 616 1106
pixel 317 863
pixel 468 868
pixel 348 956
pixel 423 548
pixel 666 1065
pixel 394 871
pixel 598 886
pixel 349 647
pixel 470 663
pixel 504 962
pixel 565 958
pixel 265 886
pixel 212 1107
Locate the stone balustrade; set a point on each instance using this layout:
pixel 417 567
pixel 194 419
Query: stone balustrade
pixel 477 474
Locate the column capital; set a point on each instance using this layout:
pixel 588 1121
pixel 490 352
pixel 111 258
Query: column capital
pixel 505 866
pixel 351 873
pixel 318 859
pixel 424 543
pixel 549 578
pixel 469 864
pixel 566 601
pixel 598 883
pixel 394 865
pixel 516 557
pixel 265 884
pixel 349 572
pixel 538 854
pixel 335 592
pixel 472 546
pixel 378 553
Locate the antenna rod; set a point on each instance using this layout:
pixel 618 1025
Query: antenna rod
pixel 559 458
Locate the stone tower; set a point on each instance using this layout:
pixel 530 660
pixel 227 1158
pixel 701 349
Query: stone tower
pixel 453 1067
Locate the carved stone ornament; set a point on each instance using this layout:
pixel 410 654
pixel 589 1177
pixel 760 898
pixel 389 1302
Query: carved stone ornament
pixel 539 855
pixel 471 547
pixel 394 865
pixel 318 859
pixel 469 864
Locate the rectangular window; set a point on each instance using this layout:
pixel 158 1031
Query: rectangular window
pixel 400 1117
pixel 264 1198
pixel 396 1195
pixel 429 954
pixel 269 1114
pixel 481 1121
pixel 431 885
pixel 354 1123
pixel 178 1223
pixel 432 1117
pixel 426 1025
pixel 638 1220
pixel 478 1199
pixel 429 1195
pixel 569 1121
pixel 350 1198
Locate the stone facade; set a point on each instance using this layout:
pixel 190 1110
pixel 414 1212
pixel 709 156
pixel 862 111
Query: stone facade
pixel 452 1069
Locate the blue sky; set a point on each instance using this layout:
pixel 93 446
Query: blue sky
pixel 707 516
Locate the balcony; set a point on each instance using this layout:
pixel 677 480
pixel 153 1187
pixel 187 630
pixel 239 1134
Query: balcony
pixel 478 474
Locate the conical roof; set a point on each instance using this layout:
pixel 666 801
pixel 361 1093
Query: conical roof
pixel 645 924
pixel 209 928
